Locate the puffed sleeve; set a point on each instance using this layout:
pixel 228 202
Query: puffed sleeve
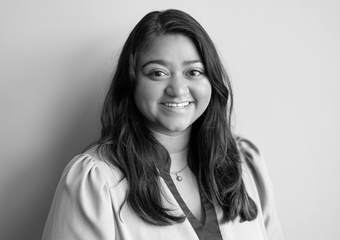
pixel 81 207
pixel 259 173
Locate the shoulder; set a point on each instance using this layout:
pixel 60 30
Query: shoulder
pixel 253 163
pixel 82 207
pixel 252 159
pixel 247 148
pixel 255 173
pixel 259 185
pixel 91 165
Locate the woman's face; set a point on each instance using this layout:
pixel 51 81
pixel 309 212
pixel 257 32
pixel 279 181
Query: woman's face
pixel 172 89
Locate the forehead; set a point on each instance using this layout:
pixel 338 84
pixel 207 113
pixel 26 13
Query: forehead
pixel 170 48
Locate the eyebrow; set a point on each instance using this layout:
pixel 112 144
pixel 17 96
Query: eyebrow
pixel 167 63
pixel 187 63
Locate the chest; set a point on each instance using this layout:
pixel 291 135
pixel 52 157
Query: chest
pixel 129 226
pixel 188 190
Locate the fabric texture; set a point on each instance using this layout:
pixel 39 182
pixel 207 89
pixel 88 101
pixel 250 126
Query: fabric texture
pixel 89 203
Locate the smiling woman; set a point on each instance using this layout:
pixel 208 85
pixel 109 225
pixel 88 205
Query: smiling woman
pixel 167 165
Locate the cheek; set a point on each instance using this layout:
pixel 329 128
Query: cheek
pixel 144 93
pixel 146 97
pixel 141 91
pixel 204 94
pixel 140 97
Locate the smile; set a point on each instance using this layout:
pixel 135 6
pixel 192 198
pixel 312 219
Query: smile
pixel 176 105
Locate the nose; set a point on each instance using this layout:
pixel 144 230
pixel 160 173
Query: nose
pixel 177 86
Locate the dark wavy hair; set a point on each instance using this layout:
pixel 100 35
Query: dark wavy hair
pixel 131 147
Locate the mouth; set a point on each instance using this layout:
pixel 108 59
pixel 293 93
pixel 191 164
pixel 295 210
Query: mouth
pixel 177 105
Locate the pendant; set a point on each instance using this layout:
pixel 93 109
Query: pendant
pixel 178 177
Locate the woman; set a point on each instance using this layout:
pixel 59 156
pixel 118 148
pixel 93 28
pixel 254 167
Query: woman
pixel 167 165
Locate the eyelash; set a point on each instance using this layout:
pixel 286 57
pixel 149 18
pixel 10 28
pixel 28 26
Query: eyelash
pixel 190 73
pixel 197 71
pixel 153 73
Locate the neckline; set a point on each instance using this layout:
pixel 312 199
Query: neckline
pixel 210 227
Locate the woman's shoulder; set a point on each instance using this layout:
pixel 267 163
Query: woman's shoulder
pixel 251 158
pixel 259 185
pixel 92 165
pixel 250 155
pixel 254 169
pixel 82 204
pixel 247 147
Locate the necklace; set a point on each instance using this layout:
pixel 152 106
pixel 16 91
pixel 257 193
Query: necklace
pixel 178 177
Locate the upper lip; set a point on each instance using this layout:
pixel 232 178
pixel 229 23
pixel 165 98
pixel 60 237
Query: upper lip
pixel 177 102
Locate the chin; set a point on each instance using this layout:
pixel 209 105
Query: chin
pixel 177 128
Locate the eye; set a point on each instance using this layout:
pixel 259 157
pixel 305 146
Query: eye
pixel 157 74
pixel 194 73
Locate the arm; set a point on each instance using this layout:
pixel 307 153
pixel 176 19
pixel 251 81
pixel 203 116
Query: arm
pixel 259 172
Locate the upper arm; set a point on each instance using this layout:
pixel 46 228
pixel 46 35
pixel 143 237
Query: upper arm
pixel 82 207
pixel 258 170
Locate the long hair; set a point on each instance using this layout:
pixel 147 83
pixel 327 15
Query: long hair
pixel 131 147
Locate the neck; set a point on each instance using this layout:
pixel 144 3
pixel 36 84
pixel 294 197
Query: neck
pixel 177 146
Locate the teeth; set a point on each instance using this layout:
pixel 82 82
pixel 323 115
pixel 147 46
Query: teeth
pixel 177 105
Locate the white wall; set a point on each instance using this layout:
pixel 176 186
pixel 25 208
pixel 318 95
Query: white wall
pixel 283 58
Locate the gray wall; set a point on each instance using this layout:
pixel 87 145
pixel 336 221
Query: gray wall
pixel 283 58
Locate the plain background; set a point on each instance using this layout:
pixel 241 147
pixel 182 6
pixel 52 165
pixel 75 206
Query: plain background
pixel 283 57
